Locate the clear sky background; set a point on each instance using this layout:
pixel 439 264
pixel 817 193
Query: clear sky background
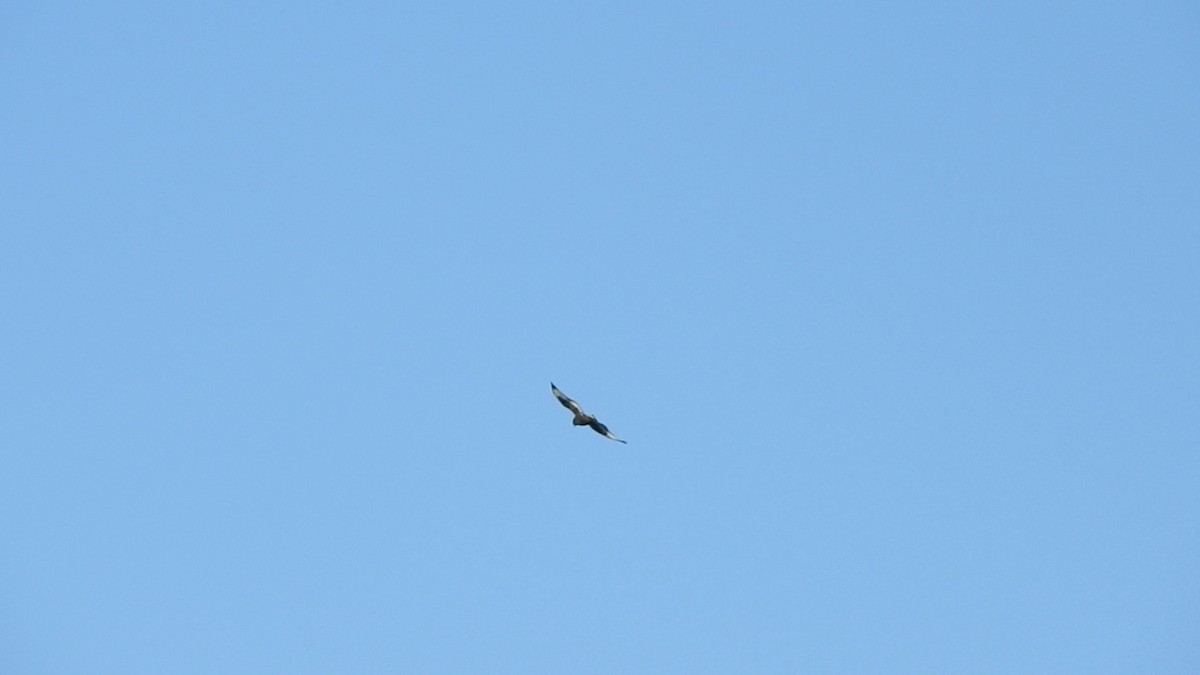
pixel 897 306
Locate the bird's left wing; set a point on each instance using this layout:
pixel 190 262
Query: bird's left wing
pixel 567 402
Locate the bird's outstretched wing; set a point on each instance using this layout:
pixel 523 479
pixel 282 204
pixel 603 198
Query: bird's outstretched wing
pixel 603 430
pixel 567 403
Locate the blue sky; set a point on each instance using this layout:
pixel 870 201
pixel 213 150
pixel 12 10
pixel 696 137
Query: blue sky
pixel 896 307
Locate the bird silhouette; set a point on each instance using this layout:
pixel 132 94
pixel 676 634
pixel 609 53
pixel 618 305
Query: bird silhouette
pixel 582 419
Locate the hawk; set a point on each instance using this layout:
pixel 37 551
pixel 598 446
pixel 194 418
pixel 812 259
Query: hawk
pixel 581 418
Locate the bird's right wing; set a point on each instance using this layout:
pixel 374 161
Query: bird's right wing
pixel 603 430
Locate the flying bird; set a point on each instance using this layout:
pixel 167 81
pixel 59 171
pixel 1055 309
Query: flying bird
pixel 582 419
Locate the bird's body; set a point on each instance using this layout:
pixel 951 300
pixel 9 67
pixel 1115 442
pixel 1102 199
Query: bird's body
pixel 582 419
